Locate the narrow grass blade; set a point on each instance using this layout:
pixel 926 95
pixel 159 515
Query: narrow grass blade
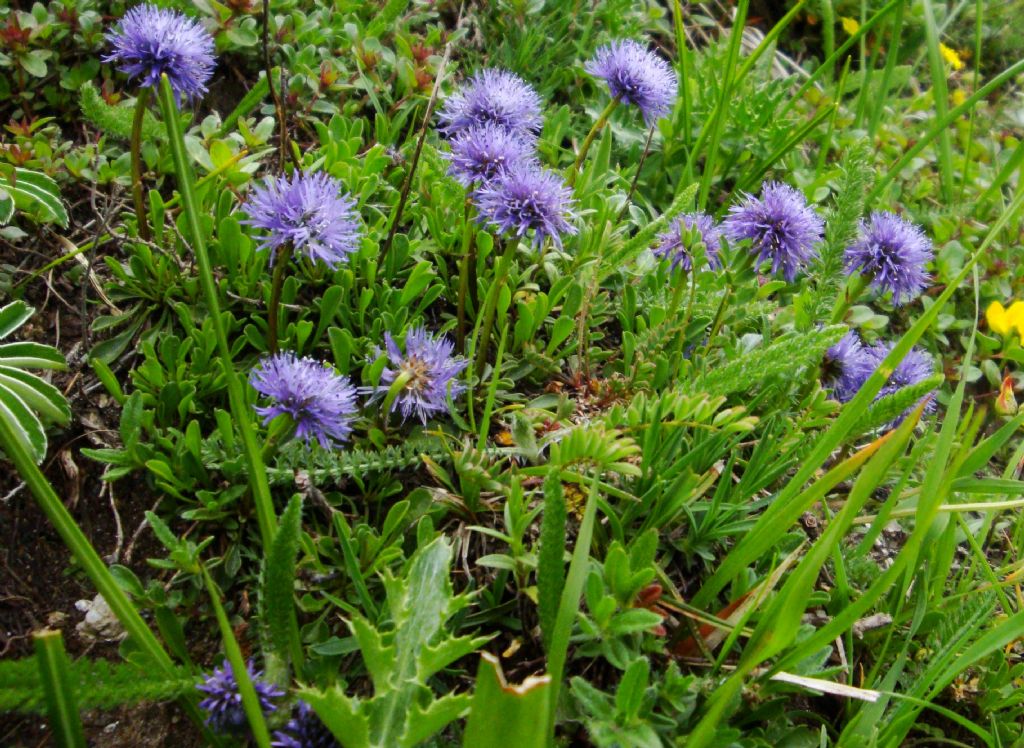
pixel 60 699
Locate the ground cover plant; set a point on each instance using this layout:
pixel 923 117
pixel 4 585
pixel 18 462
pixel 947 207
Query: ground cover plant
pixel 518 373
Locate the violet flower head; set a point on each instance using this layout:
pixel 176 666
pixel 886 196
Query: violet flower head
pixel 483 152
pixel 223 703
pixel 846 367
pixel 304 730
pixel 781 225
pixel 672 243
pixel 893 252
pixel 430 372
pixel 310 211
pixel 527 197
pixel 493 96
pixel 321 402
pixel 635 75
pixel 153 41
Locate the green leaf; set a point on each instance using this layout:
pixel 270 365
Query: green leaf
pixel 26 426
pixel 278 599
pixel 522 711
pixel 31 356
pixel 551 556
pixel 13 316
pixel 341 715
pixel 34 189
pixel 60 697
pixel 40 396
pixel 424 722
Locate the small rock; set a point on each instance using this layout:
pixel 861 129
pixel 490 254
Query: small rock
pixel 100 624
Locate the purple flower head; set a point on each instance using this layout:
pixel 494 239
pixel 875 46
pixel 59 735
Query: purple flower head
pixel 528 197
pixel 321 402
pixel 304 730
pixel 846 367
pixel 496 96
pixel 223 703
pixel 672 244
pixel 781 225
pixel 153 41
pixel 310 211
pixel 431 373
pixel 483 152
pixel 893 252
pixel 637 76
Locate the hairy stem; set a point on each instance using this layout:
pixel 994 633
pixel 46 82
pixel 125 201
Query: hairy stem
pixel 141 214
pixel 467 268
pixel 589 140
pixel 274 308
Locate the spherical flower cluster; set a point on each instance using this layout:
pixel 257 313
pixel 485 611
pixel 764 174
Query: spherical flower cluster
pixel 849 364
pixel 482 153
pixel 223 703
pixel 153 41
pixel 497 97
pixel 320 402
pixel 528 198
pixel 304 730
pixel 637 76
pixel 893 252
pixel 672 243
pixel 781 226
pixel 311 212
pixel 429 371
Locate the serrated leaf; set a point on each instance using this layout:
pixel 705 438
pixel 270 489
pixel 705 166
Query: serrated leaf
pixel 522 711
pixel 341 715
pixel 424 722
pixel 378 657
pixel 448 651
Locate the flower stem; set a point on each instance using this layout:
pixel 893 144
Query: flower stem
pixel 636 177
pixel 491 305
pixel 274 307
pixel 240 411
pixel 141 216
pixel 854 288
pixel 467 269
pixel 588 141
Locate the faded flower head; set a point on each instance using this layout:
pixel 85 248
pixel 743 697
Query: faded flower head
pixel 321 402
pixel 844 369
pixel 153 41
pixel 781 225
pixel 493 96
pixel 483 152
pixel 637 76
pixel 310 211
pixel 893 252
pixel 528 197
pixel 304 730
pixel 429 370
pixel 223 703
pixel 672 244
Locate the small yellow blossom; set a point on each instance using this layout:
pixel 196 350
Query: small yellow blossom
pixel 1003 321
pixel 951 56
pixel 850 25
pixel 959 96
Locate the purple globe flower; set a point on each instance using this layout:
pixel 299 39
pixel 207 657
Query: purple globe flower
pixel 223 703
pixel 430 371
pixel 637 76
pixel 846 367
pixel 153 41
pixel 915 367
pixel 781 225
pixel 672 244
pixel 304 730
pixel 893 252
pixel 321 402
pixel 493 96
pixel 483 152
pixel 311 212
pixel 527 197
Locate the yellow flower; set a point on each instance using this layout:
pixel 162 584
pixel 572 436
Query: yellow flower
pixel 1003 321
pixel 850 25
pixel 959 96
pixel 951 56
